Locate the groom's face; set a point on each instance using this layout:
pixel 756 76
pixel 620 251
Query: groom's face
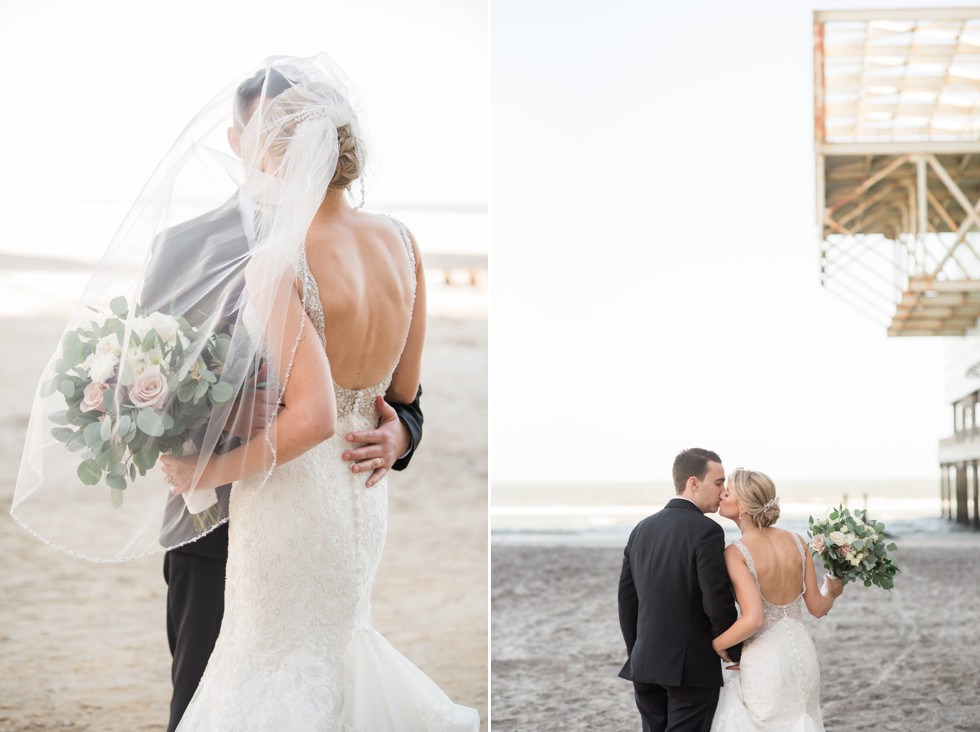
pixel 710 488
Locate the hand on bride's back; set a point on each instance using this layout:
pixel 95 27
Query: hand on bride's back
pixel 255 406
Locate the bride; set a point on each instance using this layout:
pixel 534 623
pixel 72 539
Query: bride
pixel 776 685
pixel 329 321
pixel 337 297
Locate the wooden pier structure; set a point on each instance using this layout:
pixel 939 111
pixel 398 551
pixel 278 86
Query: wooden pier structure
pixel 897 144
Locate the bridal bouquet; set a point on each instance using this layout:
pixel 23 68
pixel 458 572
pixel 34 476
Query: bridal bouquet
pixel 126 408
pixel 853 548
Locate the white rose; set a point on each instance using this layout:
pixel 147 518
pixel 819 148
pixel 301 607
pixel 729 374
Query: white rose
pixel 165 326
pixel 108 344
pixel 103 367
pixel 134 357
pixel 141 326
pixel 837 537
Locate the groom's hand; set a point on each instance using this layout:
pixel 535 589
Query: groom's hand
pixel 254 408
pixel 381 446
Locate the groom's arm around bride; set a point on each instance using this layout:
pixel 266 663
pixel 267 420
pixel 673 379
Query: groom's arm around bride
pixel 675 597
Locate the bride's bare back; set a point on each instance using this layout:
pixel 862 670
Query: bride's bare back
pixel 776 556
pixel 366 283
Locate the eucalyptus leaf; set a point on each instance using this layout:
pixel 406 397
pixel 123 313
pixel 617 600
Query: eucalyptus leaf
pixel 150 422
pixel 77 441
pixel 71 343
pixel 67 388
pixel 62 434
pixel 222 392
pixel 123 425
pixel 119 306
pixel 105 428
pixel 116 496
pixel 93 437
pixel 89 472
pixel 117 483
pixel 116 326
pixel 60 417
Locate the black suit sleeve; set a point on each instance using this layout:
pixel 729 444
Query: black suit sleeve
pixel 716 587
pixel 628 602
pixel 411 416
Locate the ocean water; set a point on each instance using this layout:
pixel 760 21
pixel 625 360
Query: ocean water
pixel 51 247
pixel 604 515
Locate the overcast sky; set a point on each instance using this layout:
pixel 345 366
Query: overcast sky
pixel 655 271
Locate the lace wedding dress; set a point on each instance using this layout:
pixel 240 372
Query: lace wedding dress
pixel 296 649
pixel 778 684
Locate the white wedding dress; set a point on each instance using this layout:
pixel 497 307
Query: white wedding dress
pixel 778 684
pixel 296 649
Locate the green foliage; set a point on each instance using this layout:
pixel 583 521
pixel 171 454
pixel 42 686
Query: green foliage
pixel 853 548
pixel 117 439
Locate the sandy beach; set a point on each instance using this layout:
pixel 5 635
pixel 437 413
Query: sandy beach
pixel 905 660
pixel 84 645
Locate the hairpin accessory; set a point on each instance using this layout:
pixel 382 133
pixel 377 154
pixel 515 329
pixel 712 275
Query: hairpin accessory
pixel 310 114
pixel 770 505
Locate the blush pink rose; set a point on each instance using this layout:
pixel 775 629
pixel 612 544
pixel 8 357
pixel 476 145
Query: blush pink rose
pixel 92 398
pixel 149 389
pixel 817 544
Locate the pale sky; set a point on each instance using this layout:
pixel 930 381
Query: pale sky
pixel 654 270
pixel 96 92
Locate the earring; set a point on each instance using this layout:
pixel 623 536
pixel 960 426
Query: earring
pixel 361 204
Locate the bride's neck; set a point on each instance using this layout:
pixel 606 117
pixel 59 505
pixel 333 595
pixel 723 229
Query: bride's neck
pixel 334 202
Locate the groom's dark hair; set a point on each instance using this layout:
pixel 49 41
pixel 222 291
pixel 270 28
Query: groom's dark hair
pixel 692 462
pixel 250 89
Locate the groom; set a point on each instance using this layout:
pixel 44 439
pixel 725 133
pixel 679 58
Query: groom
pixel 674 598
pixel 219 242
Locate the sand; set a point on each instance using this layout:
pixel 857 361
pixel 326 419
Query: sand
pixel 83 645
pixel 905 660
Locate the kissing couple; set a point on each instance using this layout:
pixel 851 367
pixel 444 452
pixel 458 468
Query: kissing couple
pixel 677 609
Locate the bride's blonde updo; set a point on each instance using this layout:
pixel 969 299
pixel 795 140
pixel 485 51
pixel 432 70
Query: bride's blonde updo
pixel 756 495
pixel 292 108
pixel 349 163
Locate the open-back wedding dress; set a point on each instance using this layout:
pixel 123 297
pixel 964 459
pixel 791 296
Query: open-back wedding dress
pixel 296 649
pixel 777 686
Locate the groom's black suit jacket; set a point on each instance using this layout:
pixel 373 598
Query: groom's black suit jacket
pixel 674 598
pixel 213 248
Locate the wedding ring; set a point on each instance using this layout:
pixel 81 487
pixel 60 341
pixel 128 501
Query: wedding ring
pixel 380 462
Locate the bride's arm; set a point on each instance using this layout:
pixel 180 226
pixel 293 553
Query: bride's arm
pixel 307 418
pixel 749 601
pixel 405 380
pixel 819 602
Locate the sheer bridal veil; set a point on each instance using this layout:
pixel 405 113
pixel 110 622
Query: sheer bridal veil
pixel 183 339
